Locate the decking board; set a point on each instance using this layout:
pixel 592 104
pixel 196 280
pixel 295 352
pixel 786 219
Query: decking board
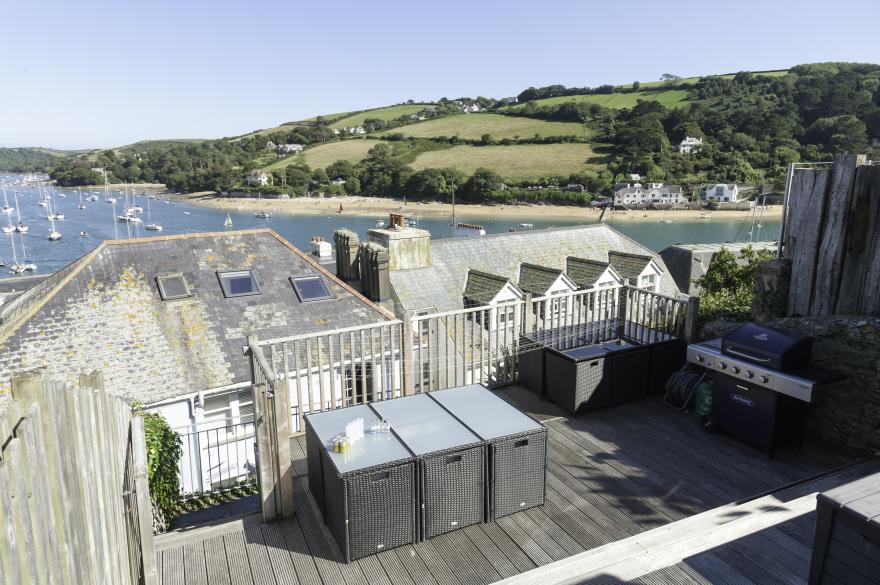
pixel 610 475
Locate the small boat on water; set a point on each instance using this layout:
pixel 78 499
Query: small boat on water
pixel 526 225
pixel 380 223
pixel 155 227
pixel 228 222
pixel 7 209
pixel 83 234
pixel 186 212
pixel 263 214
pixel 8 229
pixel 59 215
pixel 22 228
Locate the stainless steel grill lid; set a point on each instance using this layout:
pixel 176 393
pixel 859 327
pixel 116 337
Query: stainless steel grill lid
pixel 772 348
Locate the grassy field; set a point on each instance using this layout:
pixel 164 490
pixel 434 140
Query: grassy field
pixel 318 157
pixel 517 162
pixel 669 98
pixel 473 126
pixel 388 113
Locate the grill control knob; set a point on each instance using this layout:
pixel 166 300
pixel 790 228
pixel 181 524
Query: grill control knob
pixel 735 369
pixel 763 379
pixel 700 358
pixel 723 365
pixel 749 374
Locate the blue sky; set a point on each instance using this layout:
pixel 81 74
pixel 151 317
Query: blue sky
pixel 104 73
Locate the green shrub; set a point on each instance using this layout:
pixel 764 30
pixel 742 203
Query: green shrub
pixel 164 449
pixel 727 288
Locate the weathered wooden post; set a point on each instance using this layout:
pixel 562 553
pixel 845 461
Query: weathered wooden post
pixel 261 388
pixel 282 412
pixel 691 319
pixel 622 307
pixel 144 518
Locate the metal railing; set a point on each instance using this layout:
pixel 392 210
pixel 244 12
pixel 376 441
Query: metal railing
pixel 442 350
pixel 217 460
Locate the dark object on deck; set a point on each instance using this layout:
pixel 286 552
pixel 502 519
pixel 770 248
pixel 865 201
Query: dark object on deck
pixel 630 370
pixel 768 347
pixel 753 399
pixel 846 545
pixel 667 357
pixel 579 379
pixel 517 447
pixel 367 495
pixel 451 462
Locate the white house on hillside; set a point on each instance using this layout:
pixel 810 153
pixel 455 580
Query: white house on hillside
pixel 355 130
pixel 638 194
pixel 690 144
pixel 721 192
pixel 290 148
pixel 259 179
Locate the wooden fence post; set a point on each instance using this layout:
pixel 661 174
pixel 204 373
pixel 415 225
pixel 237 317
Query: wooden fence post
pixel 622 307
pixel 406 349
pixel 265 475
pixel 691 319
pixel 282 428
pixel 144 505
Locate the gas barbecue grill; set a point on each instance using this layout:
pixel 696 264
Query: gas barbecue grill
pixel 763 383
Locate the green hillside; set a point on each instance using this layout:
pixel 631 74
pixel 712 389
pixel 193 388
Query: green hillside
pixel 319 157
pixel 386 114
pixel 669 98
pixel 517 162
pixel 474 126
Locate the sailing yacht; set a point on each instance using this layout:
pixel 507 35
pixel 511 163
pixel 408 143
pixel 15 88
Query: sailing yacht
pixel 228 222
pixel 6 208
pixel 20 227
pixel 54 234
pixel 152 226
pixel 26 263
pixel 17 267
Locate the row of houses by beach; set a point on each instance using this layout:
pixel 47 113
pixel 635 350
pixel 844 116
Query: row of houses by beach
pixel 638 194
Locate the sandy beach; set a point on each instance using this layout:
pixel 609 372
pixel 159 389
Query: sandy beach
pixel 381 207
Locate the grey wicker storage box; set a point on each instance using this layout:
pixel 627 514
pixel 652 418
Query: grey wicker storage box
pixel 630 370
pixel 368 495
pixel 451 463
pixel 667 357
pixel 846 545
pixel 579 379
pixel 517 447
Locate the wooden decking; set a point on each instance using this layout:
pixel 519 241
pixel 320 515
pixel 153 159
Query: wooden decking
pixel 611 475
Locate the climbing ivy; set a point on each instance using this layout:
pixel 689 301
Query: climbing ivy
pixel 164 449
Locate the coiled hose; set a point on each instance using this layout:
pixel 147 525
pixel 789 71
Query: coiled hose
pixel 681 386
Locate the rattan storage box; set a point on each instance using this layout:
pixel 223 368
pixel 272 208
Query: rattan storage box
pixel 517 447
pixel 451 462
pixel 367 495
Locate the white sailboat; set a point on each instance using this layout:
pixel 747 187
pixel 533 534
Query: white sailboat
pixel 17 267
pixel 54 235
pixel 6 207
pixel 228 222
pixel 26 263
pixel 20 226
pixel 81 204
pixel 152 226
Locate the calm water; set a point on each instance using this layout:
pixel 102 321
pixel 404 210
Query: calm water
pixel 97 220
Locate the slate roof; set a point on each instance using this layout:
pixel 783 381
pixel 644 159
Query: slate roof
pixel 439 287
pixel 583 271
pixel 482 287
pixel 106 313
pixel 689 262
pixel 629 265
pixel 537 279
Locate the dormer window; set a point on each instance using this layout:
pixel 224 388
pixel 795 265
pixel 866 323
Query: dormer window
pixel 311 288
pixel 172 286
pixel 238 283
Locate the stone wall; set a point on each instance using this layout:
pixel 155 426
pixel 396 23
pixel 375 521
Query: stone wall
pixel 847 415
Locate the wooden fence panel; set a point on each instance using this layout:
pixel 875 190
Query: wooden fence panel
pixel 805 217
pixel 860 290
pixel 62 478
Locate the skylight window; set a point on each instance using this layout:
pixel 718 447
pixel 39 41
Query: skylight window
pixel 238 283
pixel 172 286
pixel 312 288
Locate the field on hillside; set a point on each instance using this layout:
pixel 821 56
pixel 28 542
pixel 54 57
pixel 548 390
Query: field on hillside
pixel 473 126
pixel 517 162
pixel 669 98
pixel 389 113
pixel 318 157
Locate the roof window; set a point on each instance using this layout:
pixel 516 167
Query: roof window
pixel 238 283
pixel 311 288
pixel 172 286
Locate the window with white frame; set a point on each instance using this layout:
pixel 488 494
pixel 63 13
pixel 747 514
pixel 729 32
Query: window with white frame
pixel 648 282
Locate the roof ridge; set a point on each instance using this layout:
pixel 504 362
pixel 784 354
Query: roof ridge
pixel 540 267
pixel 187 235
pixel 487 274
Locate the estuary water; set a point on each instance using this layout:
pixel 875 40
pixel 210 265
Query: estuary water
pixel 99 223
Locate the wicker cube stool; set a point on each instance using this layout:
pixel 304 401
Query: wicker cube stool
pixel 367 495
pixel 517 447
pixel 451 462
